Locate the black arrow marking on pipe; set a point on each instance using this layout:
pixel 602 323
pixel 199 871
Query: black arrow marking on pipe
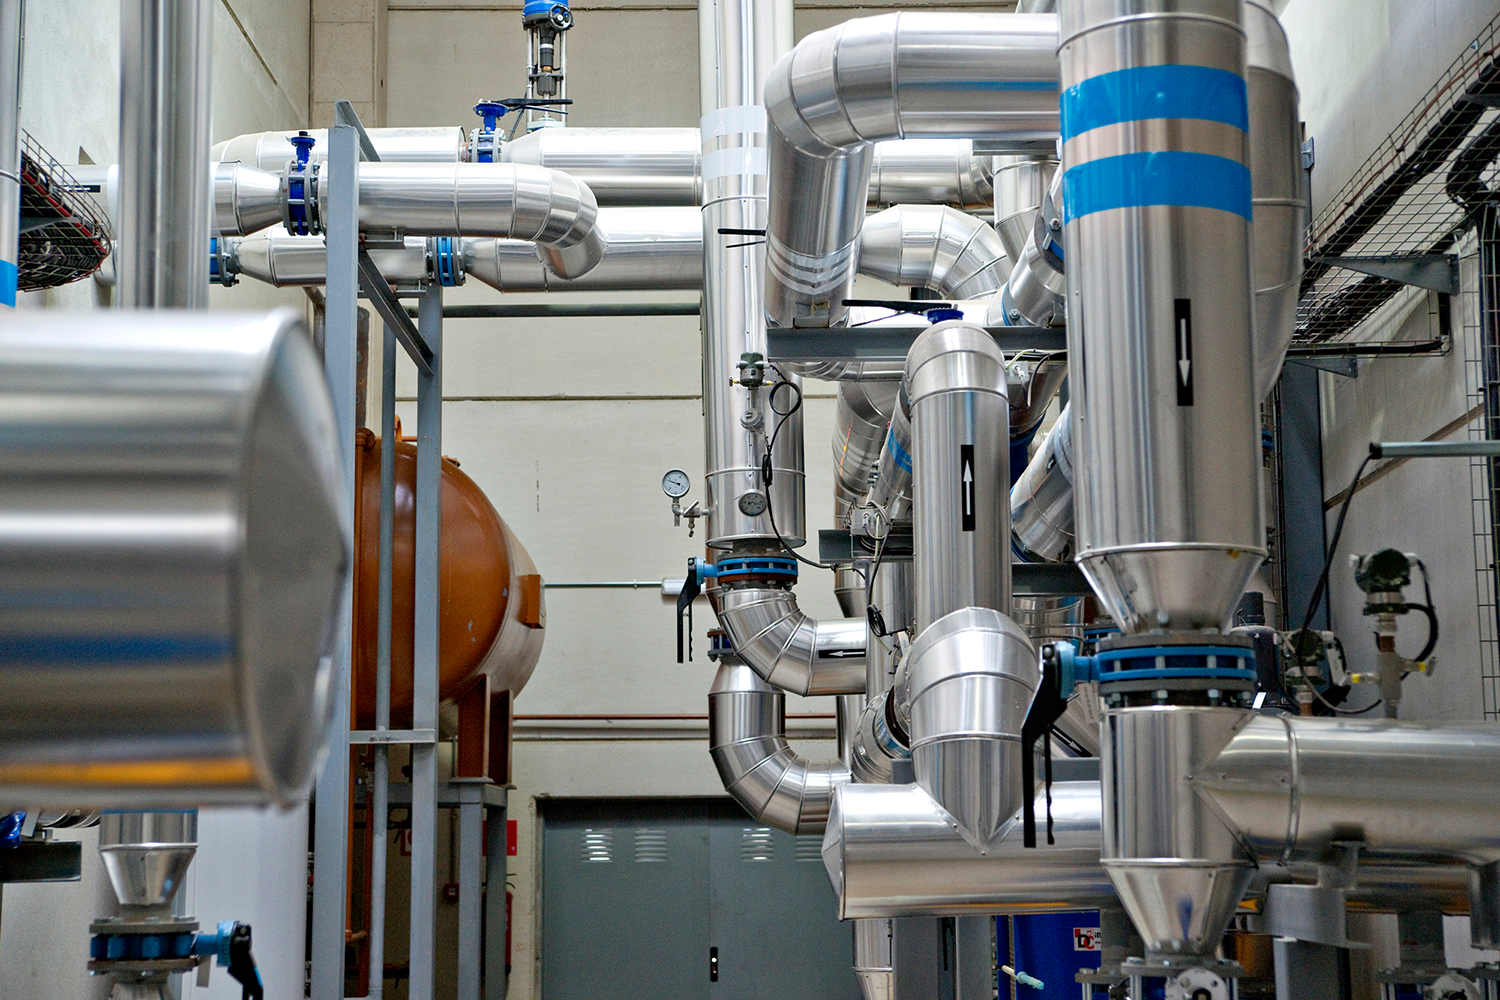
pixel 1182 334
pixel 966 484
pixel 840 654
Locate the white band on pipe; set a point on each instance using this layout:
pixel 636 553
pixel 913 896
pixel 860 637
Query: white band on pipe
pixel 729 121
pixel 733 162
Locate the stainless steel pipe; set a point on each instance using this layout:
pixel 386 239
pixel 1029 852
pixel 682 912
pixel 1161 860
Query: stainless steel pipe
pixel 788 649
pixel 955 379
pixel 934 247
pixel 1170 523
pixel 12 23
pixel 1021 184
pixel 958 74
pixel 1041 502
pixel 165 53
pixel 859 427
pixel 623 166
pixel 747 739
pixel 175 547
pixel 1036 291
pixel 929 172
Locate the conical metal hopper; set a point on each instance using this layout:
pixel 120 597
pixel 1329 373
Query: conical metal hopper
pixel 1179 907
pixel 147 854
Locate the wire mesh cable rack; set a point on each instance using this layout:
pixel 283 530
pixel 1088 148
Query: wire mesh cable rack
pixel 1405 210
pixel 64 236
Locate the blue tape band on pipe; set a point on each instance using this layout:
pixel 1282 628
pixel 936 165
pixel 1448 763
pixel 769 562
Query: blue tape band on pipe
pixel 9 278
pixel 1136 180
pixel 1147 92
pixel 903 459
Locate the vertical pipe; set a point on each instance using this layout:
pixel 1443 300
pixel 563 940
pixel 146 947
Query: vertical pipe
pixel 330 844
pixel 739 421
pixel 425 649
pixel 496 980
pixel 165 51
pixel 380 793
pixel 470 836
pixel 12 27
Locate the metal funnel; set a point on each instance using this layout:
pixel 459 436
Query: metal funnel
pixel 1179 907
pixel 147 854
pixel 1176 586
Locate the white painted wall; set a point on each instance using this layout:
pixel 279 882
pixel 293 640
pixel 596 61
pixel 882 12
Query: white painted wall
pixel 251 865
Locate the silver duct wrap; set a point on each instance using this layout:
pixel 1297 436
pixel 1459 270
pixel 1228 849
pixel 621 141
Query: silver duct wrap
pixel 1277 179
pixel 892 486
pixel 1036 292
pixel 271 150
pixel 747 738
pixel 788 649
pixel 965 687
pixel 1041 502
pixel 934 247
pixel 929 172
pixel 955 379
pixel 1161 355
pixel 836 93
pixel 282 260
pixel 859 429
pixel 1021 183
pixel 647 167
pixel 644 248
pixel 246 199
pixel 174 548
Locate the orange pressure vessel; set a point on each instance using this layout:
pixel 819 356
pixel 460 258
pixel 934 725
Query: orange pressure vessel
pixel 492 611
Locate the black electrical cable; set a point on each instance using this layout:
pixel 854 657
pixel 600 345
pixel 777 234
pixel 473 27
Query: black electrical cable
pixel 765 468
pixel 1430 610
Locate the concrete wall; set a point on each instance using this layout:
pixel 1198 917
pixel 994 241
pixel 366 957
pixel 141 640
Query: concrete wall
pixel 252 864
pixel 1361 66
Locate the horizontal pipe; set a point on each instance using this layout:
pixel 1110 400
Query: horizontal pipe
pixel 787 648
pixel 542 310
pixel 1435 449
pixel 271 150
pixel 649 249
pixel 747 739
pixel 933 247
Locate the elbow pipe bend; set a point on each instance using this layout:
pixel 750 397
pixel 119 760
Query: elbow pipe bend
pixel 934 247
pixel 747 739
pixel 788 649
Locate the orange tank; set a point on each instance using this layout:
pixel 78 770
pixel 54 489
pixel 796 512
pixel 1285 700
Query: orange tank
pixel 492 611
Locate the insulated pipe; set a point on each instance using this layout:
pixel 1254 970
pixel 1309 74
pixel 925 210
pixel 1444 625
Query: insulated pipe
pixel 747 738
pixel 955 379
pixel 12 20
pixel 1276 178
pixel 929 172
pixel 892 486
pixel 964 690
pixel 957 74
pixel 859 429
pixel 934 247
pixel 623 166
pixel 1041 502
pixel 271 150
pixel 788 649
pixel 165 50
pixel 1406 791
pixel 1161 356
pixel 297 261
pixel 1021 183
pixel 1036 292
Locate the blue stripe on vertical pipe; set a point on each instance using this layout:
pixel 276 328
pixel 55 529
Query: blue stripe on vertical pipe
pixel 9 278
pixel 1136 180
pixel 1146 92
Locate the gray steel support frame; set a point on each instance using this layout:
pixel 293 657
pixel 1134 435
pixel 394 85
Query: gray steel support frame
pixel 425 652
pixel 330 845
pixel 1303 525
pixel 496 978
pixel 381 788
pixel 470 900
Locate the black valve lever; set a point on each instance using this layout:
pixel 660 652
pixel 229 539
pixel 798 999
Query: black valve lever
pixel 690 590
pixel 1046 708
pixel 242 964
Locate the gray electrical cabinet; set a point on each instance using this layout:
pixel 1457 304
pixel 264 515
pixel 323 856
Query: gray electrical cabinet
pixel 685 899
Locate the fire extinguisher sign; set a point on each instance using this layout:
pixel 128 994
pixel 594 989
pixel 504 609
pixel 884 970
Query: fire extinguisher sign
pixel 1085 939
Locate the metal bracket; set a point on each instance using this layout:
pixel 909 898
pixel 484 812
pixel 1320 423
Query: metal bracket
pixel 1436 272
pixel 374 285
pixel 1346 366
pixel 343 114
pixel 390 736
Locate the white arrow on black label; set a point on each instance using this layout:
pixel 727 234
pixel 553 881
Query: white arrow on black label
pixel 966 484
pixel 1183 335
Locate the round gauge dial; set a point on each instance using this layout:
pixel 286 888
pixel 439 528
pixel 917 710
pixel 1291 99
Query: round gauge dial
pixel 676 484
pixel 752 504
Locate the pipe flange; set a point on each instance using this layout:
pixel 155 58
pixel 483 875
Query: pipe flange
pixel 301 211
pixel 757 571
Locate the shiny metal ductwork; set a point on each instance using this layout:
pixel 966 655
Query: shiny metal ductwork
pixel 933 247
pixel 788 649
pixel 623 166
pixel 835 95
pixel 183 558
pixel 1021 184
pixel 1041 502
pixel 929 172
pixel 747 738
pixel 1276 178
pixel 297 261
pixel 1034 379
pixel 271 150
pixel 859 428
pixel 1036 292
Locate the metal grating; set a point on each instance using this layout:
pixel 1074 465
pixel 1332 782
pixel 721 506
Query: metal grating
pixel 598 846
pixel 757 844
pixel 650 845
pixel 1414 196
pixel 809 848
pixel 64 237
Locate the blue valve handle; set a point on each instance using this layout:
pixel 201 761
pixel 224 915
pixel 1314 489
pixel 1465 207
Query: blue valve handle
pixel 491 112
pixel 303 144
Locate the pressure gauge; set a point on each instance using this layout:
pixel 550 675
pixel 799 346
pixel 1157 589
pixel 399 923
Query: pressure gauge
pixel 676 484
pixel 752 503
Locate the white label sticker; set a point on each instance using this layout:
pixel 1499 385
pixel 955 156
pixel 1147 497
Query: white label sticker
pixel 1085 939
